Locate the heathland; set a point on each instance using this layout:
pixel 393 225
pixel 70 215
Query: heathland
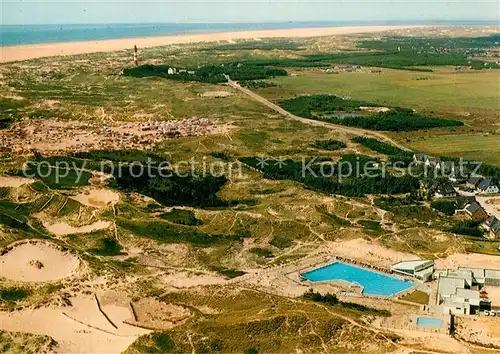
pixel 198 257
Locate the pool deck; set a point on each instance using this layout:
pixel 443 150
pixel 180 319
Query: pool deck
pixel 353 286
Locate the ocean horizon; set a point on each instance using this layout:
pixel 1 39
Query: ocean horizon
pixel 12 35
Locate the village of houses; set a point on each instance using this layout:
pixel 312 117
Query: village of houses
pixel 476 197
pixel 462 291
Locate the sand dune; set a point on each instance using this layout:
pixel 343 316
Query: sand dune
pixel 37 261
pixel 31 51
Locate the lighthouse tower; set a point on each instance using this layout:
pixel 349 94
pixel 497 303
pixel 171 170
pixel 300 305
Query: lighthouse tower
pixel 136 61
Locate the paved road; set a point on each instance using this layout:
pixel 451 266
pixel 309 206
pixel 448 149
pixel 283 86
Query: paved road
pixel 340 128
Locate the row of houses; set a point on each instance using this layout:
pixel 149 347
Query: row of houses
pixel 173 71
pixel 482 185
pixel 458 174
pixel 469 206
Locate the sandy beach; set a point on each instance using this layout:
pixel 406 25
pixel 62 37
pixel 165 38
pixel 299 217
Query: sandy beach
pixel 32 51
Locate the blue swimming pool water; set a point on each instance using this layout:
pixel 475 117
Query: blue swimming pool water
pixel 373 283
pixel 428 322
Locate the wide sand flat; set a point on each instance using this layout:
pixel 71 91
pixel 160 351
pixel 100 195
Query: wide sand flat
pixel 19 263
pixel 77 329
pixel 31 51
pixel 63 229
pixel 12 181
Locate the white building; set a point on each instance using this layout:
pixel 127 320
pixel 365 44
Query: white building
pixel 458 290
pixel 420 269
pixel 454 297
pixel 488 186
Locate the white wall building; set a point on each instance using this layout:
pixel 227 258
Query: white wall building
pixel 420 269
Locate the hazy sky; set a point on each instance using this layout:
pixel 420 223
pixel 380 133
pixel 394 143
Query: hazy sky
pixel 127 11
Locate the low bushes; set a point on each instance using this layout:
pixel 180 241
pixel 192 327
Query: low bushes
pixel 330 144
pixel 332 300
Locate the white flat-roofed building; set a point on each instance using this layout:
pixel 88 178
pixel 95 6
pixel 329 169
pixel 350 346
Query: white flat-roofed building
pixel 492 277
pixel 478 274
pixel 448 286
pixel 455 307
pixel 420 269
pixel 472 297
pixel 465 274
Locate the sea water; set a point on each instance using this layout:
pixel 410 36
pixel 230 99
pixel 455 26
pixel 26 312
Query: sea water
pixel 11 35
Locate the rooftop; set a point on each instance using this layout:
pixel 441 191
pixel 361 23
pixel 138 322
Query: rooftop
pixel 468 294
pixel 448 286
pixel 412 264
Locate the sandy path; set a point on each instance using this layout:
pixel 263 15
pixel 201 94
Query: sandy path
pixel 97 198
pixel 490 204
pixel 31 51
pixel 369 252
pixel 473 260
pixel 78 329
pixel 11 181
pixel 19 263
pixel 63 229
pixel 337 127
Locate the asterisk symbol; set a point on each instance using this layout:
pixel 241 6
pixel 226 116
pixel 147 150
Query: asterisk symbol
pixel 262 162
pixel 280 162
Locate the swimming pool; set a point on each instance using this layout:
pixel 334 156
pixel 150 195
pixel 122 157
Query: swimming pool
pixel 373 283
pixel 428 322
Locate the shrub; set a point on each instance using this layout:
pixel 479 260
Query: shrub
pixel 468 228
pixel 281 242
pixel 228 272
pixel 379 146
pixel 168 233
pixel 444 206
pixel 109 247
pixel 262 252
pixel 332 300
pixel 330 144
pixel 181 216
pixel 10 296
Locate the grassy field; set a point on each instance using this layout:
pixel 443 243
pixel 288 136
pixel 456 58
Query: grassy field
pixel 252 322
pixel 444 92
pixel 471 97
pixel 417 296
pixel 478 147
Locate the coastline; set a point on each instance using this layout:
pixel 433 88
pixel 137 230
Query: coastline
pixel 42 50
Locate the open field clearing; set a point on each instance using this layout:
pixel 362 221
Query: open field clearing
pixel 478 147
pixel 446 92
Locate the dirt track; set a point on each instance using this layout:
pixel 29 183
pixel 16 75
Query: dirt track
pixel 353 131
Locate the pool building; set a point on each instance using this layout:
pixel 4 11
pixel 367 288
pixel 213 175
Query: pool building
pixel 419 269
pixel 372 283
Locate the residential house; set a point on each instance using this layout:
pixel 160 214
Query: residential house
pixel 441 188
pixel 420 158
pixel 476 212
pixel 463 201
pixel 446 167
pixel 432 162
pixel 492 224
pixel 488 186
pixel 473 182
